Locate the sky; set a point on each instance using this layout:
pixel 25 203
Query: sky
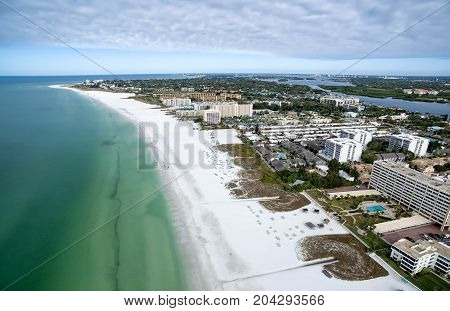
pixel 402 37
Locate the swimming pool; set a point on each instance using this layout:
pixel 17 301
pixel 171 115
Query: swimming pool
pixel 375 208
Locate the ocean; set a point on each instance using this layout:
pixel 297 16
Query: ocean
pixel 68 168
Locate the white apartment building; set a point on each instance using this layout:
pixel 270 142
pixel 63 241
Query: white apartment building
pixel 350 114
pixel 345 102
pixel 413 257
pixel 415 144
pixel 211 116
pixel 187 89
pixel 424 195
pixel 342 149
pixel 361 136
pixel 339 101
pixel 317 129
pixel 176 102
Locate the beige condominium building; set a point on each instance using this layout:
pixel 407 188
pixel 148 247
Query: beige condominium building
pixel 208 96
pixel 213 96
pixel 233 110
pixel 176 102
pixel 227 109
pixel 416 191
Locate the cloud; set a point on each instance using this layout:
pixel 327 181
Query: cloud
pixel 320 29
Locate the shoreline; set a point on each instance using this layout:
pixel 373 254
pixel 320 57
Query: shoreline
pixel 225 243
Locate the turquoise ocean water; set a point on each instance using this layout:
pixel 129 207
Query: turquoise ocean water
pixel 68 165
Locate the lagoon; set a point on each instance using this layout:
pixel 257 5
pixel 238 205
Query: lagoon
pixel 411 106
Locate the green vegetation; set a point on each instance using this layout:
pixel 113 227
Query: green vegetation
pixel 371 239
pixel 258 180
pixel 302 105
pixel 368 155
pixel 376 111
pixel 409 155
pixel 383 88
pixel 147 99
pixel 442 168
pixel 351 203
pixel 85 87
pixel 377 145
pixel 403 83
pixel 352 262
pixel 433 145
pixel 419 122
pixel 366 91
pixel 426 281
pixel 314 180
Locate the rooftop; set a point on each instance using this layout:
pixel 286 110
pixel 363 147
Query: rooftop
pixel 390 155
pixel 355 131
pixel 400 224
pixel 408 136
pixel 421 248
pixel 412 174
pixel 343 141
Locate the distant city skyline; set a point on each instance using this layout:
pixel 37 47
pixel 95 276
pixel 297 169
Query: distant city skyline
pixel 144 37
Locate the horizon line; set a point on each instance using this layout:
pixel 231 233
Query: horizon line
pixel 227 73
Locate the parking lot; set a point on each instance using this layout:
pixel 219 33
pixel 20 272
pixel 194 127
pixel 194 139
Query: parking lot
pixel 413 233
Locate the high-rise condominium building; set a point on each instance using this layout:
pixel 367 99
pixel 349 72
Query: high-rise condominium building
pixel 233 110
pixel 342 149
pixel 424 195
pixel 211 116
pixel 361 136
pixel 415 144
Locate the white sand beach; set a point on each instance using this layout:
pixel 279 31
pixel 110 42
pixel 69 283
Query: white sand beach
pixel 229 244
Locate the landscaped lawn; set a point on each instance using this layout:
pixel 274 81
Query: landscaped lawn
pixel 350 203
pixel 371 239
pixel 362 221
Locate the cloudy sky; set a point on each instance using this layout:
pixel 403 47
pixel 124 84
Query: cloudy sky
pixel 296 36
